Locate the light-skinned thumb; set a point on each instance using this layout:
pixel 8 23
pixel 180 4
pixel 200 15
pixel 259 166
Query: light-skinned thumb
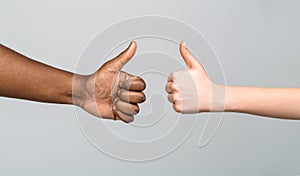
pixel 190 61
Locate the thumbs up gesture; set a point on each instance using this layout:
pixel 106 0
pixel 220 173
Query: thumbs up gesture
pixel 190 90
pixel 111 93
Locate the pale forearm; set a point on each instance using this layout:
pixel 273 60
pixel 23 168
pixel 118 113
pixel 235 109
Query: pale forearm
pixel 21 77
pixel 271 102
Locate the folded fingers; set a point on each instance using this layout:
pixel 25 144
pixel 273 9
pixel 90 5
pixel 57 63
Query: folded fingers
pixel 128 96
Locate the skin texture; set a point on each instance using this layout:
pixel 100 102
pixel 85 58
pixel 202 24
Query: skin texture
pixel 281 103
pixel 108 93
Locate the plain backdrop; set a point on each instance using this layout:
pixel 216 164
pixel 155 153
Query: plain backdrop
pixel 258 44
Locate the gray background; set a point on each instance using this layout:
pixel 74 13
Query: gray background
pixel 257 41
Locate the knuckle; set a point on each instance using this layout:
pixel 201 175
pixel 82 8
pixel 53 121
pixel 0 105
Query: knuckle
pixel 174 87
pixel 177 107
pixel 167 87
pixel 176 97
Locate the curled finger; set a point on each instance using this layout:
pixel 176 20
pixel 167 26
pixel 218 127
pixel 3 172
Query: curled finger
pixel 170 98
pixel 124 117
pixel 127 108
pixel 131 96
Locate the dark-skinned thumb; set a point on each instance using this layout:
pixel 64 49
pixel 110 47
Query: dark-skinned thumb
pixel 119 61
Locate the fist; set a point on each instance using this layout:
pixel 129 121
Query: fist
pixel 191 90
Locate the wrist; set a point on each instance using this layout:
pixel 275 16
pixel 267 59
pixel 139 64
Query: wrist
pixel 79 93
pixel 232 99
pixel 218 97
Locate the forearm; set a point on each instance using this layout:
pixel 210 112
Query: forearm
pixel 272 102
pixel 21 77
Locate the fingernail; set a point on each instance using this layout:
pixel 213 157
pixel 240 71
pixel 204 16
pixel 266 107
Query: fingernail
pixel 183 43
pixel 131 42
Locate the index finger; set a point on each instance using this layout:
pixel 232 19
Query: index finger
pixel 134 84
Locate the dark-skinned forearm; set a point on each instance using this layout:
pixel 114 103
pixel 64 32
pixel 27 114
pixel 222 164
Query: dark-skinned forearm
pixel 24 78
